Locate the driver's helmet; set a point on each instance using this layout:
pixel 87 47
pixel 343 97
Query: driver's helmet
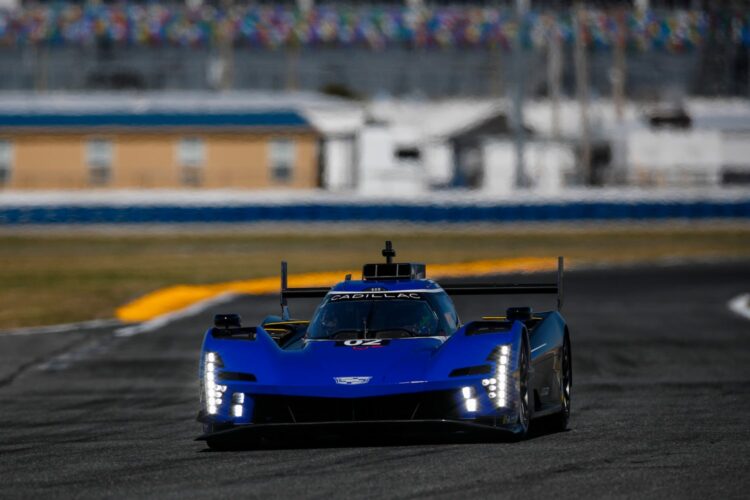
pixel 426 322
pixel 329 321
pixel 421 320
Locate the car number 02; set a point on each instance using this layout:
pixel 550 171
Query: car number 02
pixel 363 342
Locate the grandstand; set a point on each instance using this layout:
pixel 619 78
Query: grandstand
pixel 434 49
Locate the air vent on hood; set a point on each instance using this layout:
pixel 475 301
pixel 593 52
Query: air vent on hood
pixel 471 370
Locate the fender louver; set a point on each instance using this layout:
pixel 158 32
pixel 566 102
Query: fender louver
pixel 471 370
pixel 244 377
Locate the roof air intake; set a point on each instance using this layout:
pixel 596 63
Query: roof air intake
pixel 391 270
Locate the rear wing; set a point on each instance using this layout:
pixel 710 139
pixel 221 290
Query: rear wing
pixel 296 293
pixel 451 289
pixel 512 288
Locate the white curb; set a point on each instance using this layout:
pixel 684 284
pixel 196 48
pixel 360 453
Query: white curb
pixel 741 305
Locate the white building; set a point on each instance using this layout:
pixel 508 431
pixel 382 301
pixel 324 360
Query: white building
pixel 410 146
pixel 407 146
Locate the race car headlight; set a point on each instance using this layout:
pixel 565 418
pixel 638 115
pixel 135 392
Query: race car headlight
pixel 469 400
pixel 238 399
pixel 213 392
pixel 497 385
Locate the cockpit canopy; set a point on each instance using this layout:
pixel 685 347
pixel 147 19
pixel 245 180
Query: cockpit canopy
pixel 384 314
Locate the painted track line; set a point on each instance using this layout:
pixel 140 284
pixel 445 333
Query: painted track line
pixel 165 319
pixel 740 305
pixel 62 328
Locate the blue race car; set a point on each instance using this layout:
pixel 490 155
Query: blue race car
pixel 386 353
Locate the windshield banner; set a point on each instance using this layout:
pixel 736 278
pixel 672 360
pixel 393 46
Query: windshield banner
pixel 376 296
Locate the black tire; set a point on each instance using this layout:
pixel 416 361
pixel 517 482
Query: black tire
pixel 524 412
pixel 219 444
pixel 559 421
pixel 232 443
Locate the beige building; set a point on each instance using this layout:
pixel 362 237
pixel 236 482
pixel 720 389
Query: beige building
pixel 199 143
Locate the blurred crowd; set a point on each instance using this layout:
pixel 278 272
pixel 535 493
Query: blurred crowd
pixel 375 27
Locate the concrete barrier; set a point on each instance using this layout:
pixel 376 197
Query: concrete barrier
pixel 371 213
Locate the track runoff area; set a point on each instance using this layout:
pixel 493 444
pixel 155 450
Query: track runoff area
pixel 660 405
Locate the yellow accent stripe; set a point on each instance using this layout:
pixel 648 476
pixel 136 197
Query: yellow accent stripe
pixel 178 297
pixel 291 322
pixel 503 318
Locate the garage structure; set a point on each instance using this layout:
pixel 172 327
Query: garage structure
pixel 202 141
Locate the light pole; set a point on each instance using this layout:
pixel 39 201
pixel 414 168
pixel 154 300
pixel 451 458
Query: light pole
pixel 619 66
pixel 554 74
pixel 519 59
pixel 226 48
pixel 582 90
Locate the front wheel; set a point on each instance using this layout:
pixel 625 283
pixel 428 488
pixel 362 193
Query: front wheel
pixel 221 444
pixel 559 421
pixel 523 419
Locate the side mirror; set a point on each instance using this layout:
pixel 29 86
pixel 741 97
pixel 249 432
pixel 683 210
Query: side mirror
pixel 227 321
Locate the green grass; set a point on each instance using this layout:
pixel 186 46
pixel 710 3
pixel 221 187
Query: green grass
pixel 49 278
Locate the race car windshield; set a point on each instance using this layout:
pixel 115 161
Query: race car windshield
pixel 346 318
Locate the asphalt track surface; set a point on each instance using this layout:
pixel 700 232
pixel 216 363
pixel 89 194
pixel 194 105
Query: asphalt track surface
pixel 660 409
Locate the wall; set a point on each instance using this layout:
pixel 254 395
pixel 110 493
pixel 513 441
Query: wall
pixel 300 207
pixel 674 157
pixel 47 162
